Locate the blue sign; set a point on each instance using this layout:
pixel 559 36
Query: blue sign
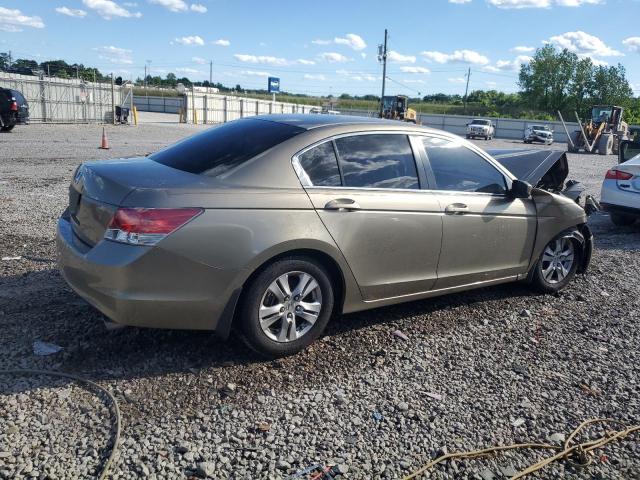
pixel 274 85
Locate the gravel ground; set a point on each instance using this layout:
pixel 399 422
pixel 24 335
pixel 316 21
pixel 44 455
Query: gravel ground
pixel 475 370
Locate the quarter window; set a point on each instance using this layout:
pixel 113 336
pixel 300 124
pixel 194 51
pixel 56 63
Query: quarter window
pixel 321 165
pixel 458 168
pixel 377 161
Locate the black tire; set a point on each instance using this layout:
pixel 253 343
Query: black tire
pixel 622 220
pixel 468 137
pixel 538 280
pixel 249 320
pixel 7 128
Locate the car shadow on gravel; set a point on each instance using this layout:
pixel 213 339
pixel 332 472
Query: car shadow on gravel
pixel 39 306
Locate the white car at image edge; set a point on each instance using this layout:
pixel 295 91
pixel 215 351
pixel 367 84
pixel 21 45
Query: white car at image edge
pixel 620 195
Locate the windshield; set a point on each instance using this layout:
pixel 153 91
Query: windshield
pixel 222 148
pixel 599 114
pixel 540 127
pixel 481 122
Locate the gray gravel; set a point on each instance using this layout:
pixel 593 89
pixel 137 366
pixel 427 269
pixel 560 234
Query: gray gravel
pixel 492 366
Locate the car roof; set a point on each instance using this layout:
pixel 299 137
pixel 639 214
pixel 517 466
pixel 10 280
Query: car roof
pixel 312 121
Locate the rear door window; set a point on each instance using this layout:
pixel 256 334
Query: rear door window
pixel 321 166
pixel 223 148
pixel 377 161
pixel 457 168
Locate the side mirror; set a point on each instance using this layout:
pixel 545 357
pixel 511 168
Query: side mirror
pixel 520 189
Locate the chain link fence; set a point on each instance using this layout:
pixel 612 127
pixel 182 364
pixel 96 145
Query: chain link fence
pixel 59 100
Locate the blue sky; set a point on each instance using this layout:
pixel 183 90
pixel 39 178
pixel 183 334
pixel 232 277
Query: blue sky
pixel 323 47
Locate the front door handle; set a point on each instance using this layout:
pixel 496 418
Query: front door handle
pixel 348 204
pixel 456 209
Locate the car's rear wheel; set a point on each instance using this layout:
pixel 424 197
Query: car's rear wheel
pixel 286 307
pixel 557 265
pixel 622 220
pixel 7 128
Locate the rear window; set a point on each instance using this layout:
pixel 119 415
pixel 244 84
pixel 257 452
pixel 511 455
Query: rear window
pixel 222 148
pixel 18 96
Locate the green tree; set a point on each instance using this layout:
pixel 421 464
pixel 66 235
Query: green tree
pixel 610 86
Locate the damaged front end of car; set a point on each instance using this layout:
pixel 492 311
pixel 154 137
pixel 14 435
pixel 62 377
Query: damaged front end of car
pixel 547 170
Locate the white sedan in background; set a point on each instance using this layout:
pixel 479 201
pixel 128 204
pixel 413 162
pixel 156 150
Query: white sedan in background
pixel 620 194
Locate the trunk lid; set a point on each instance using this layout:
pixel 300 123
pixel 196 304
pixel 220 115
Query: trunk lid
pixel 630 166
pixel 98 188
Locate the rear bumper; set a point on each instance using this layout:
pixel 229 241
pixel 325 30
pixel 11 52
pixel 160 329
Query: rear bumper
pixel 147 286
pixel 615 198
pixel 621 209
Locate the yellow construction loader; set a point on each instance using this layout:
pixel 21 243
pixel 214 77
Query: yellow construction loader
pixel 397 108
pixel 602 133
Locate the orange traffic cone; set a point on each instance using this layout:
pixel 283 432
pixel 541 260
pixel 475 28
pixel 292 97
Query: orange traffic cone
pixel 104 145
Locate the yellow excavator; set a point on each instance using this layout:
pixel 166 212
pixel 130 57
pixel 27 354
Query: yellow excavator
pixel 397 108
pixel 603 132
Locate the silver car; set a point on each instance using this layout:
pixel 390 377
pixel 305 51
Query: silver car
pixel 273 225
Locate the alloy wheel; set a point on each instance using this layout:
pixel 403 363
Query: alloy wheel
pixel 290 306
pixel 557 260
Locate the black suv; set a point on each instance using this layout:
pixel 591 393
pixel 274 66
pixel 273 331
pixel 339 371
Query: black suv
pixel 14 109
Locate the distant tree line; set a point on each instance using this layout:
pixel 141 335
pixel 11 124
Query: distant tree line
pixel 553 80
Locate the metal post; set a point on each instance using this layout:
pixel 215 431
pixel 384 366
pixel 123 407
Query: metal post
pixel 384 71
pixel 113 101
pixel 466 90
pixel 131 104
pixel 210 75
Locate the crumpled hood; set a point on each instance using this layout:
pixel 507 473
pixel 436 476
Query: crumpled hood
pixel 541 168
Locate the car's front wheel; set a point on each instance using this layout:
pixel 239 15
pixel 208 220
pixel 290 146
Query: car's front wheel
pixel 7 128
pixel 557 265
pixel 286 307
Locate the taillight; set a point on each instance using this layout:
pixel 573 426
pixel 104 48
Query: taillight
pixel 147 226
pixel 618 175
pixel 14 106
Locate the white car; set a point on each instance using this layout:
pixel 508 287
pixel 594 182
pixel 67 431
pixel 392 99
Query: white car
pixel 481 128
pixel 538 133
pixel 620 195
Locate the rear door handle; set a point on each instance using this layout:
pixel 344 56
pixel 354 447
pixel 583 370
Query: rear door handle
pixel 456 209
pixel 348 204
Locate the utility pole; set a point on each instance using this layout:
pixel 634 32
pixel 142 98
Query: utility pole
pixel 210 74
pixel 145 76
pixel 382 57
pixel 10 59
pixel 466 90
pixel 113 101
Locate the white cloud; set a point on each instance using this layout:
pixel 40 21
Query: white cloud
pixel 253 73
pixel 187 70
pixel 198 8
pixel 414 70
pixel 632 43
pixel 351 40
pixel 491 84
pixel 523 49
pixel 71 12
pixel 222 42
pixel 457 80
pixel 304 61
pixel 108 9
pixel 119 56
pixel 130 4
pixel 321 42
pixel 333 57
pixel 584 44
pixel 459 1
pixel 394 56
pixel 199 60
pixel 190 40
pixel 265 59
pixel 309 76
pixel 358 76
pixel 599 63
pixel 172 5
pixel 14 20
pixel 459 56
pixel 513 65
